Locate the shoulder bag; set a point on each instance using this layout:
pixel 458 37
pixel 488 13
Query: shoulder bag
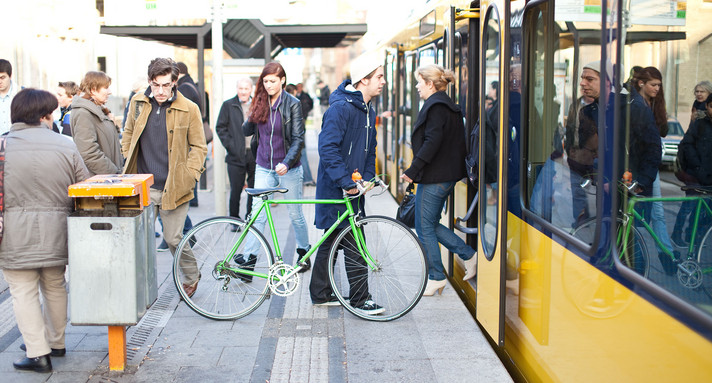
pixel 406 210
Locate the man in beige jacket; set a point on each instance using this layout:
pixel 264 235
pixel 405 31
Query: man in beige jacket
pixel 164 137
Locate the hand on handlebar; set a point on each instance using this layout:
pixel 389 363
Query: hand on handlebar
pixel 361 187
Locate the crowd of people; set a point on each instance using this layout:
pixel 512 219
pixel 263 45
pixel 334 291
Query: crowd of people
pixel 43 157
pixel 263 131
pixel 558 195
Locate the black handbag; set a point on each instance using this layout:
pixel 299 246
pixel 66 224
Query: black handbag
pixel 406 210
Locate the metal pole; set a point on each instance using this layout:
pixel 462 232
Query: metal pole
pixel 219 168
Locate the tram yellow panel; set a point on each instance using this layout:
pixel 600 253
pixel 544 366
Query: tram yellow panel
pixel 567 321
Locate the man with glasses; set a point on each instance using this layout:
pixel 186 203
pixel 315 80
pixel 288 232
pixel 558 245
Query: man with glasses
pixel 164 137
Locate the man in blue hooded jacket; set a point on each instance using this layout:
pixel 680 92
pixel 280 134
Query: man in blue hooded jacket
pixel 347 142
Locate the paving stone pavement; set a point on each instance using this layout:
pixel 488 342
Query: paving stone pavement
pixel 285 340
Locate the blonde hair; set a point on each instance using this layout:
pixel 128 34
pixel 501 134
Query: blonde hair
pixel 439 76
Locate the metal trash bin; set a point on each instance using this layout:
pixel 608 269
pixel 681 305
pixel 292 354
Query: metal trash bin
pixel 112 256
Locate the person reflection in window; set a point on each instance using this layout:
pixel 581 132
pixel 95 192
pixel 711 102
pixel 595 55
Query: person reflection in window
pixel 558 195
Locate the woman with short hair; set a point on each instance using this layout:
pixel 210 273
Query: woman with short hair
pixel 39 167
pixel 703 89
pixel 93 128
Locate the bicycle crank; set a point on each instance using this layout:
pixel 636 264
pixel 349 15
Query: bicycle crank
pixel 282 280
pixel 689 274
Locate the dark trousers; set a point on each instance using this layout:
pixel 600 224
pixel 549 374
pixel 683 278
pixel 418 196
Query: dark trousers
pixel 237 175
pixel 356 271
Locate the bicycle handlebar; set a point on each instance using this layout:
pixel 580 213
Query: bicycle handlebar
pixel 630 188
pixel 362 189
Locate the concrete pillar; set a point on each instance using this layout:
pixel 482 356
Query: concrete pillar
pixel 219 166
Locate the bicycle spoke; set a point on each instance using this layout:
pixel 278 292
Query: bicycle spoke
pixel 398 279
pixel 221 293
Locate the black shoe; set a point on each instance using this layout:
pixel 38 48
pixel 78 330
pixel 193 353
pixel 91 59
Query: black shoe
pixel 163 246
pixel 55 351
pixel 678 241
pixel 370 307
pixel 247 265
pixel 38 364
pixel 306 265
pixel 669 266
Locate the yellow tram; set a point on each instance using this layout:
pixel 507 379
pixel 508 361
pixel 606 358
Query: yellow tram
pixel 559 306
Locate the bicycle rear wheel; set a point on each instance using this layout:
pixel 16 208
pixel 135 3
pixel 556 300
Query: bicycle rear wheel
pixel 221 292
pixel 635 253
pixel 394 286
pixel 704 260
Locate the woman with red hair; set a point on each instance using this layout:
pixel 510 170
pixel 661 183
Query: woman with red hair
pixel 276 125
pixel 649 83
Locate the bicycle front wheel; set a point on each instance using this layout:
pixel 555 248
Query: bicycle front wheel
pixel 204 258
pixel 634 255
pixel 387 279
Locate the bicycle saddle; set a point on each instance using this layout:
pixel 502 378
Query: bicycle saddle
pixel 265 191
pixel 702 189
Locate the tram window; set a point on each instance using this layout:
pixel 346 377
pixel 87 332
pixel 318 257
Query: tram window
pixel 567 144
pixel 672 241
pixel 489 124
pixel 427 56
pixel 556 165
pixel 460 66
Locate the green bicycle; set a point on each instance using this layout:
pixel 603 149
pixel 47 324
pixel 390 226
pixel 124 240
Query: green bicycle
pixel 692 270
pixel 230 284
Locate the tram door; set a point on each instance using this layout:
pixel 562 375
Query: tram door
pixel 406 115
pixel 492 184
pixel 388 135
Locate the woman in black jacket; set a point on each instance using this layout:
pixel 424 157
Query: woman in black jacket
pixel 696 152
pixel 277 128
pixel 438 163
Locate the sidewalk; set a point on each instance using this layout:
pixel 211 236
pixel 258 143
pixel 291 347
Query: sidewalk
pixel 285 340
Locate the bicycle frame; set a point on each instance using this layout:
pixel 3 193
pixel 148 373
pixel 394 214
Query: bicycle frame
pixel 701 204
pixel 265 206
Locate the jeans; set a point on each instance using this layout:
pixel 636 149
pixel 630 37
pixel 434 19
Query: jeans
pixel 429 202
pixel 266 178
pixel 305 166
pixel 657 218
pixel 684 222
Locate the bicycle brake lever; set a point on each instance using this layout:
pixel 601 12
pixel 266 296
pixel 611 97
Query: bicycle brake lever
pixel 632 187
